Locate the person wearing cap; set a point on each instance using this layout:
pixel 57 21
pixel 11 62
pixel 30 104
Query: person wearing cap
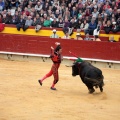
pixel 78 37
pixel 56 59
pixel 54 35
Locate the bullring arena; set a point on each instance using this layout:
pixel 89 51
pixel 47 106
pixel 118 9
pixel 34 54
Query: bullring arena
pixel 22 98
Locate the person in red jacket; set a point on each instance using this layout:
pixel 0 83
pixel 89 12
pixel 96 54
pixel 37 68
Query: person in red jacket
pixel 56 59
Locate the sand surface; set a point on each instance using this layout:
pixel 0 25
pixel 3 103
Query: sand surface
pixel 22 98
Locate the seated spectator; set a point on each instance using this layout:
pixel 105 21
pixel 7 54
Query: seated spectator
pixel 78 37
pixel 66 36
pixel 28 23
pixel 111 39
pixel 14 3
pixel 96 31
pixel 66 25
pixel 115 27
pixel 84 26
pixel 92 26
pixel 47 22
pixel 108 27
pixel 37 23
pixel 54 23
pixel 8 18
pixel 73 25
pixel 38 6
pixel 54 35
pixel 96 38
pixel 60 23
pixel 2 5
pixel 87 37
pixel 1 16
pixel 21 22
pixel 26 11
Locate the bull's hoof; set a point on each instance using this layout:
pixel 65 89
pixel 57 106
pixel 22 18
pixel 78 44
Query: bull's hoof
pixel 101 89
pixel 91 91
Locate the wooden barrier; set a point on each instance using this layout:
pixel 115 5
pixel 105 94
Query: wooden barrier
pixel 41 45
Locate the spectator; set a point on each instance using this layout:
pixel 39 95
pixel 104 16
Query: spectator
pixel 8 18
pixel 87 37
pixel 54 35
pixel 54 23
pixel 38 6
pixel 66 36
pixel 84 26
pixel 14 3
pixel 2 5
pixel 92 26
pixel 60 23
pixel 26 11
pixel 108 27
pixel 1 18
pixel 28 23
pixel 96 38
pixel 111 39
pixel 66 26
pixel 47 22
pixel 78 37
pixel 21 22
pixel 37 23
pixel 115 27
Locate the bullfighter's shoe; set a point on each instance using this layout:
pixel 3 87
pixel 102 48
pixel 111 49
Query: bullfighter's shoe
pixel 52 88
pixel 40 82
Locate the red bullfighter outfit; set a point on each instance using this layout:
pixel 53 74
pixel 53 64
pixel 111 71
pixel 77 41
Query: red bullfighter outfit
pixel 56 58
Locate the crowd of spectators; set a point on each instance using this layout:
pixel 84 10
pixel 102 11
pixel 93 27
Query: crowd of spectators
pixel 86 15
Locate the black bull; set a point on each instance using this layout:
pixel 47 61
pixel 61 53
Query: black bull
pixel 90 75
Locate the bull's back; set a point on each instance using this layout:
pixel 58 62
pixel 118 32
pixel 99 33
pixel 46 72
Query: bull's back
pixel 88 70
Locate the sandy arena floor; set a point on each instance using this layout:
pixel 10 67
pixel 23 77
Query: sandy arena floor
pixel 22 98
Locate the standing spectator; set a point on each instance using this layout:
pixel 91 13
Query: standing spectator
pixel 54 35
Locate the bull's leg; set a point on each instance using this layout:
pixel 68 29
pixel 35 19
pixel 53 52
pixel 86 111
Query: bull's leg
pixel 90 88
pixel 101 88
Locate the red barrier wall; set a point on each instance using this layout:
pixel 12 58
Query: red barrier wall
pixel 41 45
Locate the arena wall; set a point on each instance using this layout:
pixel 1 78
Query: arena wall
pixel 15 46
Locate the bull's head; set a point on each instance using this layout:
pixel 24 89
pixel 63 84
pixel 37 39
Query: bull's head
pixel 75 69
